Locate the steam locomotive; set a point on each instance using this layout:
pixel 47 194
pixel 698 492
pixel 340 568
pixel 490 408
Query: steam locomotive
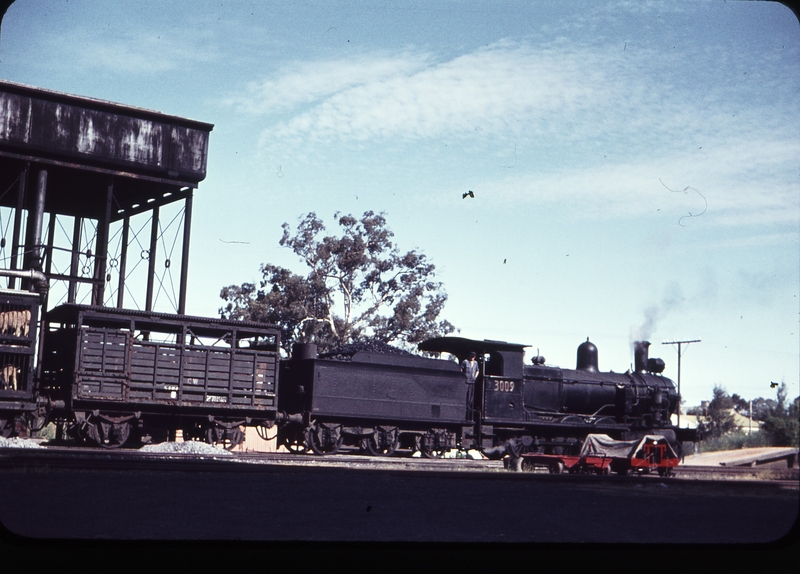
pixel 383 403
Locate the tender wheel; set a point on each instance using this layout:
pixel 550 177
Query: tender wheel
pixel 433 445
pixel 383 442
pixel 436 453
pixel 324 440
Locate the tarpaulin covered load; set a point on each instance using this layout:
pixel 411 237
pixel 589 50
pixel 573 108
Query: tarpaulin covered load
pixel 604 445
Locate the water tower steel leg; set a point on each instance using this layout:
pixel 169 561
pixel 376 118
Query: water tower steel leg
pixel 76 248
pixel 123 260
pixel 151 270
pixel 101 249
pixel 23 183
pixel 51 235
pixel 187 230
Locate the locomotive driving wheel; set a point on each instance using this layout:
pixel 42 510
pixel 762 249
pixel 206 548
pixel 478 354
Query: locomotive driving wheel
pixel 324 439
pixel 383 441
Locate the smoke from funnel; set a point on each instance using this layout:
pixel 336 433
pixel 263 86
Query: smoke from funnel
pixel 673 296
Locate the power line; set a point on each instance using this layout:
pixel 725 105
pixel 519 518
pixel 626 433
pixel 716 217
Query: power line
pixel 679 343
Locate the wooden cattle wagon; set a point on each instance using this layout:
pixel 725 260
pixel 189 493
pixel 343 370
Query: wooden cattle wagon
pixel 119 371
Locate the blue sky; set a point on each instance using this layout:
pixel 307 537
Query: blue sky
pixel 635 164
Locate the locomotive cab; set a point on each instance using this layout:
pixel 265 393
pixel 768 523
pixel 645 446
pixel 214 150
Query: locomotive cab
pixel 498 389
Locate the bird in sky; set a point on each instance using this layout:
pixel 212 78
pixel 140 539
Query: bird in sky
pixel 772 384
pixel 469 193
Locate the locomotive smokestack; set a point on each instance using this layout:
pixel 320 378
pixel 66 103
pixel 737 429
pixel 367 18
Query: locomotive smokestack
pixel 640 355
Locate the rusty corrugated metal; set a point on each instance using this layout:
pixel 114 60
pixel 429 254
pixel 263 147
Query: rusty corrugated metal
pixel 84 130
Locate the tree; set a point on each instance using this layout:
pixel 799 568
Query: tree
pixel 782 421
pixel 720 413
pixel 379 293
pixel 740 405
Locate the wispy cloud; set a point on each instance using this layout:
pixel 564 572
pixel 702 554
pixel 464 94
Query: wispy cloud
pixel 414 96
pixel 562 92
pixel 666 126
pixel 733 182
pixel 141 53
pixel 302 83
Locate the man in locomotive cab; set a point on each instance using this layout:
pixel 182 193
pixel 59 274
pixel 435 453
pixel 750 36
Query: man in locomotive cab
pixel 470 369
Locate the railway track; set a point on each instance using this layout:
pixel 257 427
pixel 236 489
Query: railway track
pixel 74 458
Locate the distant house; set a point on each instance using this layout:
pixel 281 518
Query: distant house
pixel 687 421
pixel 746 424
pixel 742 423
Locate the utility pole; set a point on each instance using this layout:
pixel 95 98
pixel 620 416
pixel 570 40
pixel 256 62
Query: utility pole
pixel 679 343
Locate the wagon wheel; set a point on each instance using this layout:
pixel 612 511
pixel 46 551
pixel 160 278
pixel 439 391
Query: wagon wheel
pixel 227 438
pixel 524 465
pixel 35 422
pixel 6 428
pixel 231 439
pixel 295 442
pixel 557 467
pixel 77 431
pixel 323 440
pixel 382 443
pixel 108 435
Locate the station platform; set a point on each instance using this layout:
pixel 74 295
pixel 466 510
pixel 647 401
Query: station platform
pixel 786 457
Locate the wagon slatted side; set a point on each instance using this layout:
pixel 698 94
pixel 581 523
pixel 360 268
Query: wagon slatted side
pixel 102 365
pixel 165 362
